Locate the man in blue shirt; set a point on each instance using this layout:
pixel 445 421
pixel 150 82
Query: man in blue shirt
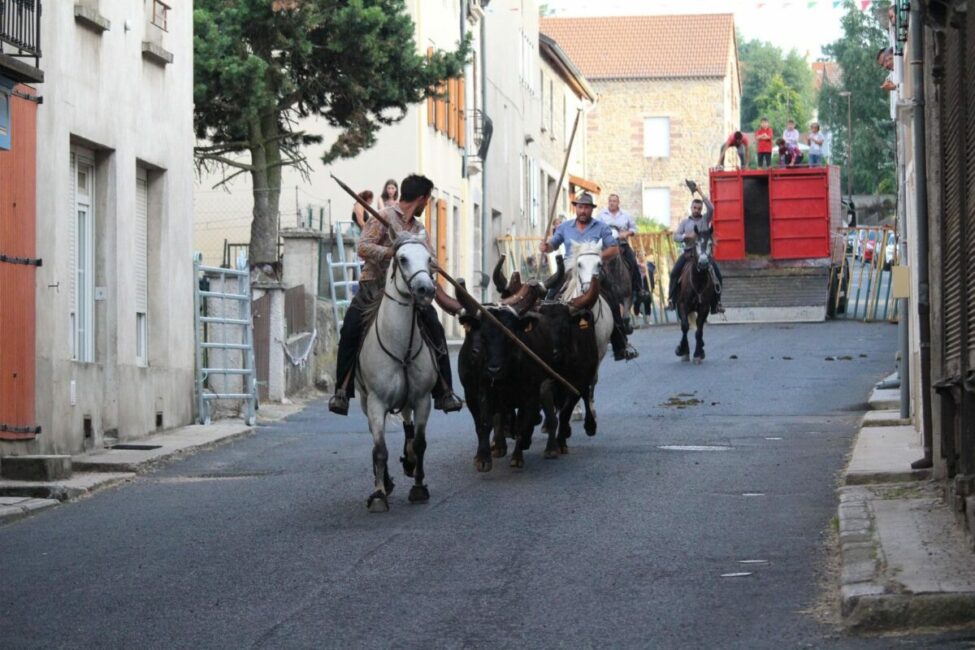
pixel 585 229
pixel 625 227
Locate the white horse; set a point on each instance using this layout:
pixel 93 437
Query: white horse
pixel 397 370
pixel 586 263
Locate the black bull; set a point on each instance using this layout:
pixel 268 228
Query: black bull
pixel 506 391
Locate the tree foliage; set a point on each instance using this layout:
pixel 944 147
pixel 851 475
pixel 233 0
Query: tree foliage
pixel 873 138
pixel 260 69
pixel 774 84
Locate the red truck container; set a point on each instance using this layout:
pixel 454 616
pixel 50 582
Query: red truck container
pixel 776 214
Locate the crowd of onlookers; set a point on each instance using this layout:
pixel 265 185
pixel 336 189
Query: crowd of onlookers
pixel 786 146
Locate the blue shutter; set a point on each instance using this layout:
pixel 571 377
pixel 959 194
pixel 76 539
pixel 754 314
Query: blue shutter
pixel 5 87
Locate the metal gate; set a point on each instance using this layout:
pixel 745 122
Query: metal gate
pixel 18 267
pixel 861 277
pixel 229 329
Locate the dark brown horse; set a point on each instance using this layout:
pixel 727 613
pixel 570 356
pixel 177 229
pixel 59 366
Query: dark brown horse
pixel 696 294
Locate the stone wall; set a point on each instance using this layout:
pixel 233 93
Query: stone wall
pixel 614 145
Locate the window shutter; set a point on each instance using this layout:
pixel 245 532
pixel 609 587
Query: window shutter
pixel 952 157
pixel 72 228
pixel 452 109
pixel 461 108
pixel 441 109
pixel 141 241
pixel 431 102
pixel 969 39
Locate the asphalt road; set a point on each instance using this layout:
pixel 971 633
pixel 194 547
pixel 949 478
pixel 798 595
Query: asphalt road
pixel 266 542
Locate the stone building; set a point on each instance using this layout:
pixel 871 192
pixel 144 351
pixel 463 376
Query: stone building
pixel 669 94
pixel 114 292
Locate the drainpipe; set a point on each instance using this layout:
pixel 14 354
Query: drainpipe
pixel 921 209
pixel 485 210
pixel 904 304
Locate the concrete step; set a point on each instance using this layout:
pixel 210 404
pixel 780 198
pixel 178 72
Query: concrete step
pixel 885 399
pixel 35 467
pixel 885 418
pixel 884 454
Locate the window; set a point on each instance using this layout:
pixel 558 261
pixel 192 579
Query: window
pixel 82 314
pixel 141 263
pixel 656 137
pixel 656 205
pixel 4 116
pixel 160 14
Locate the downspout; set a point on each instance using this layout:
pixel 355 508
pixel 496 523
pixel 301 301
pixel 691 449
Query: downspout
pixel 485 210
pixel 921 209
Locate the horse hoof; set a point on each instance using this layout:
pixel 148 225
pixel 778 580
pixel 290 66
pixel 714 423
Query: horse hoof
pixel 517 463
pixel 377 502
pixel 685 358
pixel 698 361
pixel 482 465
pixel 499 452
pixel 563 449
pixel 419 494
pixel 550 454
pixel 678 351
pixel 590 429
pixel 408 467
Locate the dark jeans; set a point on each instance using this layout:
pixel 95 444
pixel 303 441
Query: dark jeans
pixel 352 332
pixel 630 258
pixel 679 268
pixel 765 159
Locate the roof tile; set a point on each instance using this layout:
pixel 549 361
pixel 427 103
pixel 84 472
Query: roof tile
pixel 645 47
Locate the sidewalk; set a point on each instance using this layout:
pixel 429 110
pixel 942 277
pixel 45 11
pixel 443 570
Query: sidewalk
pixel 101 468
pixel 906 561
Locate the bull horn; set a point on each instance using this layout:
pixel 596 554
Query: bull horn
pixel 500 282
pixel 588 299
pixel 450 304
pixel 556 278
pixel 523 300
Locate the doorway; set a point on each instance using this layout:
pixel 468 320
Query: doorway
pixel 758 240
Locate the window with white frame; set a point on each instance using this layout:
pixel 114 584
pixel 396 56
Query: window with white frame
pixel 82 229
pixel 656 205
pixel 141 270
pixel 656 137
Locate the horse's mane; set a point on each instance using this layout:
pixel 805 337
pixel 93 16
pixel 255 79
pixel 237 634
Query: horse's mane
pixel 572 284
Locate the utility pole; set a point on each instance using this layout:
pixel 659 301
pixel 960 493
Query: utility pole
pixel 849 144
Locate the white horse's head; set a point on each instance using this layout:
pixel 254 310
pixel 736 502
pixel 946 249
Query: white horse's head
pixel 586 262
pixel 411 272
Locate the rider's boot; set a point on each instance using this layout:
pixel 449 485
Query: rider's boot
pixel 672 293
pixel 448 403
pixel 622 350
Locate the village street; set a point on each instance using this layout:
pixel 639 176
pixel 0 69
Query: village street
pixel 266 541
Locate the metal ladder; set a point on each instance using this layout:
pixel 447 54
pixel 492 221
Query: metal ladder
pixel 247 371
pixel 345 284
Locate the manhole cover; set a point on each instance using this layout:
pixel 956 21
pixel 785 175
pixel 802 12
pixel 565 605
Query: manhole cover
pixel 695 447
pixel 136 447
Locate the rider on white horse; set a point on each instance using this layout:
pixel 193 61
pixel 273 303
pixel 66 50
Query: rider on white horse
pixel 586 229
pixel 686 233
pixel 376 250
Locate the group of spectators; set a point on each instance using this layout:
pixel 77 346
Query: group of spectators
pixel 787 146
pixel 389 196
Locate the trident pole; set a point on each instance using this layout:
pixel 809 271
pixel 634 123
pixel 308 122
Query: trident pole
pixel 461 291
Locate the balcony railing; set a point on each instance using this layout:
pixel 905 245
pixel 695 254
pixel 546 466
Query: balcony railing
pixel 20 28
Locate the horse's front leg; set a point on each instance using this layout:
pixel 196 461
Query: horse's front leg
pixel 419 492
pixel 684 349
pixel 378 501
pixel 699 337
pixel 408 459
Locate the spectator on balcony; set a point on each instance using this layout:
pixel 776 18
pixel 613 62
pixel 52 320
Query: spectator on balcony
pixel 359 214
pixel 389 197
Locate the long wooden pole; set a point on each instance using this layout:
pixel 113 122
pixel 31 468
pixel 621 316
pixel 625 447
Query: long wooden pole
pixel 565 167
pixel 461 291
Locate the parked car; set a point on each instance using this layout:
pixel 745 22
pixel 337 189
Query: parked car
pixel 866 239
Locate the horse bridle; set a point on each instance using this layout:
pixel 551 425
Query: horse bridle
pixel 408 360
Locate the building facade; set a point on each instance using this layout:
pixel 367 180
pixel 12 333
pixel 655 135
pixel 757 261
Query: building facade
pixel 666 103
pixel 114 315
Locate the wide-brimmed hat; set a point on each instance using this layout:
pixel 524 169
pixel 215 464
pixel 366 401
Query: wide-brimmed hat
pixel 584 199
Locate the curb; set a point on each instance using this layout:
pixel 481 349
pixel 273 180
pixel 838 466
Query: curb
pixel 15 508
pixel 872 599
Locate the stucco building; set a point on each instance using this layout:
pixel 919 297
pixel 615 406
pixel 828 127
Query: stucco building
pixel 114 301
pixel 669 94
